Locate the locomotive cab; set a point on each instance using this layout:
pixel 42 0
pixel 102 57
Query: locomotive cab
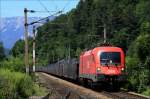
pixel 111 65
pixel 103 64
pixel 111 62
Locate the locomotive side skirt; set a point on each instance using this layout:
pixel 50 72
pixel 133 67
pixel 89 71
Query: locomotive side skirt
pixel 103 77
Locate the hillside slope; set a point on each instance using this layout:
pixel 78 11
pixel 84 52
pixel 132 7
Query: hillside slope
pixel 73 30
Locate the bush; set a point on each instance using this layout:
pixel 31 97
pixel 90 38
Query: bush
pixel 8 83
pixel 38 91
pixel 13 63
pixel 16 84
pixel 25 86
pixel 147 91
pixel 138 62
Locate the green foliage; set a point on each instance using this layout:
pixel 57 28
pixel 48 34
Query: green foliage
pixel 138 62
pixel 25 86
pixel 39 91
pixel 8 83
pixel 145 27
pixel 13 63
pixel 18 48
pixel 2 54
pixel 120 39
pixel 142 10
pixel 132 63
pixel 15 85
pixel 147 91
pixel 140 47
pixel 78 52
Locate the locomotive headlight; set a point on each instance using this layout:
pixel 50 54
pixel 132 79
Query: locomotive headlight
pixel 98 69
pixel 122 69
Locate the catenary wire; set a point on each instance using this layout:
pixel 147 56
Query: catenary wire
pixel 44 7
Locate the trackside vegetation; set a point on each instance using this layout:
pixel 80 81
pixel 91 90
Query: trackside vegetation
pixel 14 83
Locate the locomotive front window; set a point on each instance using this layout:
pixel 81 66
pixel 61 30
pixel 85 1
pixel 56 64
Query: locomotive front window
pixel 110 58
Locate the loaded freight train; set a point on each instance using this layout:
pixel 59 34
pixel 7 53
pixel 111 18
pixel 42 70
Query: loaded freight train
pixel 105 64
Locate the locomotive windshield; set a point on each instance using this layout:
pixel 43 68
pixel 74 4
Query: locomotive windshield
pixel 110 58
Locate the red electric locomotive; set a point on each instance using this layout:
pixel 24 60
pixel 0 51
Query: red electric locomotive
pixel 102 64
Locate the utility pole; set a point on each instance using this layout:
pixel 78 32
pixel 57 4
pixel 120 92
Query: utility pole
pixel 26 56
pixel 34 48
pixel 26 40
pixel 105 35
pixel 53 56
pixel 69 51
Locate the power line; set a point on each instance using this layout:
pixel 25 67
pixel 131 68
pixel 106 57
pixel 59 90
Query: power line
pixel 44 7
pixel 44 11
pixel 66 5
pixel 45 18
pixel 33 11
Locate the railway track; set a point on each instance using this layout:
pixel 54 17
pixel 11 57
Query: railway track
pixel 124 95
pixel 68 90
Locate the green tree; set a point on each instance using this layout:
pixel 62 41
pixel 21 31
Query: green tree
pixel 2 54
pixel 18 48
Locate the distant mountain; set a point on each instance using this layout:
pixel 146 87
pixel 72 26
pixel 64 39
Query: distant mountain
pixel 12 29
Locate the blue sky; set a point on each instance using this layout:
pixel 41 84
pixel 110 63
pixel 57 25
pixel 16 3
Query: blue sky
pixel 11 8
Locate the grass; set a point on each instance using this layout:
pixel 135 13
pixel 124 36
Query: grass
pixel 16 84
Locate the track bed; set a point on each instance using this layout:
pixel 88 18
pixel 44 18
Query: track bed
pixel 62 89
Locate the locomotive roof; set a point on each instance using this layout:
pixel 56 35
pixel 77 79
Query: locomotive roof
pixel 108 48
pixel 104 48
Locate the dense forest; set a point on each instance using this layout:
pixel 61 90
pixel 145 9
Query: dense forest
pixel 125 21
pixel 127 24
